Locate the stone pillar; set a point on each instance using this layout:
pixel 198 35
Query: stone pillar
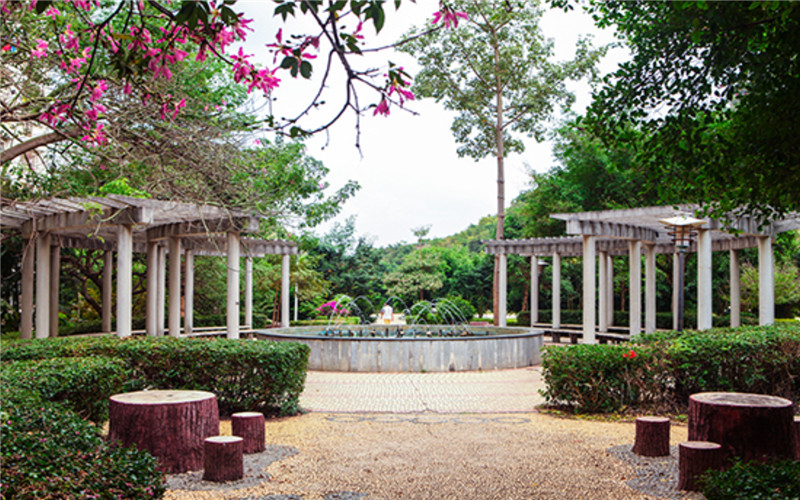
pixel 534 289
pixel 151 321
pixel 602 280
pixel 188 292
pixel 124 280
pixel 736 290
pixel 108 283
pixel 589 289
pixel 55 279
pixel 704 288
pixel 42 285
pixel 233 286
pixel 676 269
pixel 161 289
pixel 174 286
pixel 26 301
pixel 556 290
pixel 635 286
pixel 502 290
pixel 248 292
pixel 610 300
pixel 766 282
pixel 649 288
pixel 285 290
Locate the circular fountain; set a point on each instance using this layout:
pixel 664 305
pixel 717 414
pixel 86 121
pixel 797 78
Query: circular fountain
pixel 413 347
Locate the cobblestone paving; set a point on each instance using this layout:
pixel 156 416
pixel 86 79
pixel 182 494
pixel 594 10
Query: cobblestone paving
pixel 499 391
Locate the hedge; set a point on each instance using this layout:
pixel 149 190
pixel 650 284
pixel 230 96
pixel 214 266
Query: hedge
pixel 778 481
pixel 660 371
pixel 245 375
pixel 621 318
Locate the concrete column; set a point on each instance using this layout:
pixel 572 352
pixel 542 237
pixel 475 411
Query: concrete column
pixel 602 313
pixel 174 286
pixel 635 286
pixel 296 301
pixel 248 292
pixel 108 275
pixel 55 279
pixel 502 285
pixel 676 269
pixel 649 288
pixel 42 286
pixel 161 293
pixel 704 285
pixel 610 290
pixel 736 290
pixel 556 290
pixel 26 301
pixel 151 320
pixel 285 291
pixel 589 314
pixel 233 286
pixel 188 292
pixel 534 289
pixel 124 280
pixel 766 282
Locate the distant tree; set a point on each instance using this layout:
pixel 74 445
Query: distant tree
pixel 493 69
pixel 419 273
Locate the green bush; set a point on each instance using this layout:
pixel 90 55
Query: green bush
pixel 778 481
pixel 245 375
pixel 82 384
pixel 50 452
pixel 670 366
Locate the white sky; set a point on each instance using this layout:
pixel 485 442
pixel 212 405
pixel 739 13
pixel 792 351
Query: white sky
pixel 408 169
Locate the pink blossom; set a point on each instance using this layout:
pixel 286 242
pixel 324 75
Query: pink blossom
pixel 178 107
pixel 53 12
pixel 98 90
pixel 69 40
pixel 41 49
pixel 265 80
pixel 127 89
pixel 240 27
pixel 241 67
pixel 258 142
pixel 448 17
pixel 96 135
pixel 224 38
pixel 382 108
pixel 201 53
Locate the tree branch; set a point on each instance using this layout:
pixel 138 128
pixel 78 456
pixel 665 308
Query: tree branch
pixel 31 144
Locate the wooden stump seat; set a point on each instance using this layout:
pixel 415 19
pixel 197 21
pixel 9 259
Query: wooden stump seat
pixel 171 425
pixel 694 459
pixel 652 437
pixel 223 459
pixel 748 426
pixel 250 427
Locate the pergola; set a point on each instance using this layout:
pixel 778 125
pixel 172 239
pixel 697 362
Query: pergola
pixel 164 230
pixel 599 236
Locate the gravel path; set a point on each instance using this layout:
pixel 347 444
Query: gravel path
pixel 443 456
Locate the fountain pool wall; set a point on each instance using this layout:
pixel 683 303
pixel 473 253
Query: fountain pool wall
pixel 499 349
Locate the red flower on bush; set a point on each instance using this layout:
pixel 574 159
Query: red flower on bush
pixel 630 354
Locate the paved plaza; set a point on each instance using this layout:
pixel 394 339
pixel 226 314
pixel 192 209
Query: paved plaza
pixel 501 391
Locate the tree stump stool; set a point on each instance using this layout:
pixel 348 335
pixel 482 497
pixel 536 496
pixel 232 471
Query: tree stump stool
pixel 796 437
pixel 652 437
pixel 223 460
pixel 171 425
pixel 748 426
pixel 250 427
pixel 694 459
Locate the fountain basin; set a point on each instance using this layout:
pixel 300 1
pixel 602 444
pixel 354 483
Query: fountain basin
pixel 487 348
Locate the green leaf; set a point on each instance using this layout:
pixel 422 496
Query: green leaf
pixel 305 69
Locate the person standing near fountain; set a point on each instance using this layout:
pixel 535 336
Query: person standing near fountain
pixel 387 313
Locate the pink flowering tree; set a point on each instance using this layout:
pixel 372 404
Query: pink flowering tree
pixel 63 62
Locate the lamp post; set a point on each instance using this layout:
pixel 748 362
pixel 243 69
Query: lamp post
pixel 681 228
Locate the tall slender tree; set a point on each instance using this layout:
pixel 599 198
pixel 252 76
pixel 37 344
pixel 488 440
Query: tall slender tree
pixel 494 69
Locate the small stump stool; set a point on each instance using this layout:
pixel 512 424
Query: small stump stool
pixel 169 424
pixel 250 427
pixel 796 437
pixel 652 437
pixel 694 459
pixel 748 426
pixel 223 459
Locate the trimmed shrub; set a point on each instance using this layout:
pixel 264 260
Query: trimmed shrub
pixel 670 366
pixel 779 480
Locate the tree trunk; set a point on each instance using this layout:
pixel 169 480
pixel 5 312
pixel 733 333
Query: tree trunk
pixel 652 437
pixel 694 459
pixel 250 427
pixel 222 459
pixel 171 425
pixel 748 426
pixel 501 190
